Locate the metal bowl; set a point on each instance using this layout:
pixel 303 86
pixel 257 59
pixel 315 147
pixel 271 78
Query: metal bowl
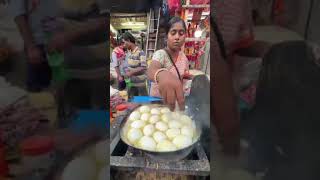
pixel 161 156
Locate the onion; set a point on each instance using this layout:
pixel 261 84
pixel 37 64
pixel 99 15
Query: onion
pixel 153 119
pixel 147 143
pixel 135 115
pixel 80 169
pixel 165 146
pixel 175 124
pixel 155 111
pixel 159 136
pixel 145 117
pixel 182 141
pixel 144 109
pixel 165 110
pixel 134 135
pixel 172 133
pixel 148 130
pixel 161 126
pixel 137 124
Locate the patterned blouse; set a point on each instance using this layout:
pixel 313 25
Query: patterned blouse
pixel 163 58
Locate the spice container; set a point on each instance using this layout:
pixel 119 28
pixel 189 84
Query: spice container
pixel 121 109
pixel 38 153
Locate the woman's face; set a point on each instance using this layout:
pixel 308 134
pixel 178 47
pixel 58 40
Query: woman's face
pixel 176 36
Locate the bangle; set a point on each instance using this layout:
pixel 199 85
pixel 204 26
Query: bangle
pixel 155 78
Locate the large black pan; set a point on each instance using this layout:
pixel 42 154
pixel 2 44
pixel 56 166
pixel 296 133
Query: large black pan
pixel 161 156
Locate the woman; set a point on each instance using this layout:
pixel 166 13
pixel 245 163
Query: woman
pixel 136 67
pixel 118 58
pixel 284 132
pixel 169 65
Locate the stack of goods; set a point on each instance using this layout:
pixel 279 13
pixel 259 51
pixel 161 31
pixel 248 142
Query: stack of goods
pixel 115 98
pixel 18 121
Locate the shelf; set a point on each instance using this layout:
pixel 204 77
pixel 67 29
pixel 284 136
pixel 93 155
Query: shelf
pixel 196 6
pixel 195 39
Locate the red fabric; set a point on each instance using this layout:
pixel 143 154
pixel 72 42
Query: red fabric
pixel 279 6
pixel 119 52
pixel 37 145
pixel 174 5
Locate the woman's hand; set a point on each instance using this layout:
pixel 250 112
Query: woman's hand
pixel 171 89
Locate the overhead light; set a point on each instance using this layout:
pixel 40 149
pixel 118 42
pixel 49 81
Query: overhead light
pixel 133 24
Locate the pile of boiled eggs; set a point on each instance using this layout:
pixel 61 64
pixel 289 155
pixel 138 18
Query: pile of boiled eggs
pixel 158 129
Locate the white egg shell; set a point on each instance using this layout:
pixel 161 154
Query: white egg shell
pixel 159 136
pixel 187 131
pixel 138 124
pixel 145 116
pixel 153 119
pixel 165 110
pixel 175 124
pixel 148 130
pixel 161 126
pixel 166 117
pixel 147 143
pixel 144 109
pixel 134 135
pixel 165 146
pixel 175 115
pixel 155 111
pixel 80 169
pixel 182 141
pixel 186 120
pixel 135 115
pixel 172 133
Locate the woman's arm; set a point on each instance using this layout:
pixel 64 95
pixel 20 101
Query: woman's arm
pixel 170 87
pixel 152 69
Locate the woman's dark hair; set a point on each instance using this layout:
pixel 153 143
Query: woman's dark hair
pixel 173 21
pixel 128 37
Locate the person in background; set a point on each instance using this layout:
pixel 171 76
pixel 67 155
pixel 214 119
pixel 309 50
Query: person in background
pixel 169 65
pixel 33 19
pixel 36 20
pixel 136 67
pixel 234 20
pixel 118 58
pixel 283 131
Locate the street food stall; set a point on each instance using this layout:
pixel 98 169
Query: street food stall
pixel 138 125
